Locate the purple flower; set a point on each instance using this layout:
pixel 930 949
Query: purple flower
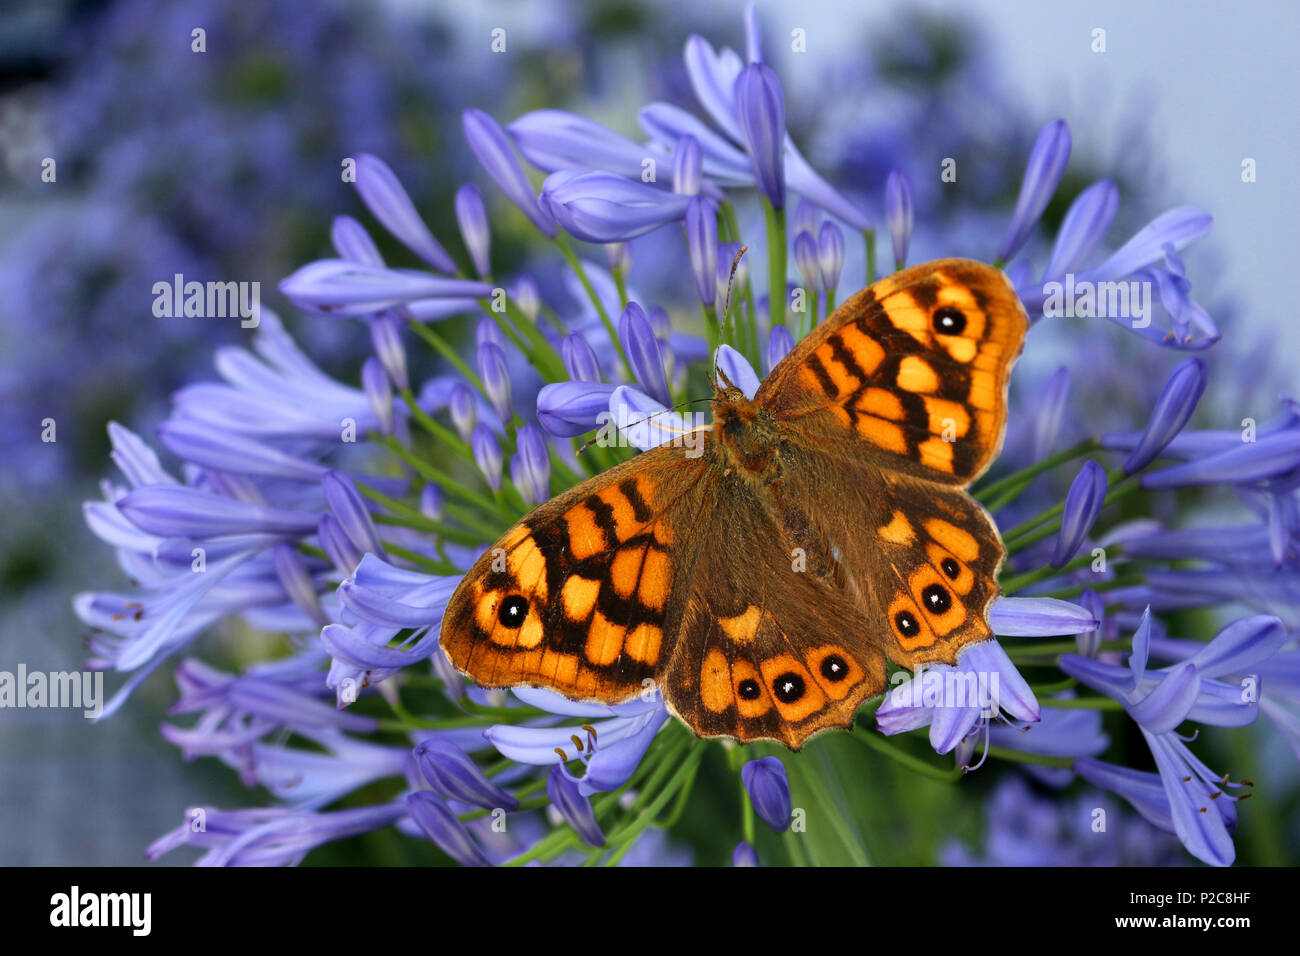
pixel 342 287
pixel 602 207
pixel 463 410
pixel 1046 166
pixel 348 508
pixel 830 254
pixel 495 372
pixel 1173 408
pixel 534 470
pixel 472 217
pixel 567 409
pixel 1083 503
pixel 442 827
pixel 490 145
pixel 760 115
pixel 744 855
pixel 644 353
pixel 737 369
pixel 687 166
pixel 389 203
pixel 573 806
pixel 779 344
pixel 805 260
pixel 579 358
pixel 487 455
pixel 702 245
pixel 953 700
pixel 769 791
pixel 898 215
pixel 1271 456
pixel 455 776
pixel 1085 225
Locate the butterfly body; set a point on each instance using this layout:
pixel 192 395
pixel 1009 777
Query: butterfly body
pixel 761 584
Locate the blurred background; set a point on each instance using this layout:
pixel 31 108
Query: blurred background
pixel 225 165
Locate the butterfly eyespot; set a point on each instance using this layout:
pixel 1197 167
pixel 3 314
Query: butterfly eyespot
pixel 906 624
pixel 936 598
pixel 789 687
pixel 949 321
pixel 834 668
pixel 950 567
pixel 513 611
pixel 748 689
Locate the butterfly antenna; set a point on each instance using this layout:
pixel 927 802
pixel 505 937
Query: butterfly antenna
pixel 731 283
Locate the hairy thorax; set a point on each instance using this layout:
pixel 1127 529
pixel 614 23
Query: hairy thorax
pixel 747 437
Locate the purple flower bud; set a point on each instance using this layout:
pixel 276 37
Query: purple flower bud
pixel 488 142
pixel 779 344
pixel 351 241
pixel 1038 617
pixel 1173 408
pixel 344 288
pixel 389 203
pixel 1050 411
pixel 737 369
pixel 555 139
pixel 494 371
pixel 579 358
pixel 702 244
pixel 687 166
pixel 806 217
pixel 1089 642
pixel 441 826
pixel 898 215
pixel 1270 456
pixel 573 806
pixel 760 111
pixel 1042 175
pixel 379 390
pixel 527 297
pixel 744 855
pixel 567 409
pixel 487 454
pixel 534 471
pixel 1083 503
pixel 386 338
pixel 1085 224
pixel 805 260
pixel 454 775
pixel 830 254
pixel 432 499
pixel 463 408
pixel 601 207
pixel 487 331
pixel 349 509
pixel 343 554
pixel 472 217
pixel 643 352
pixel 769 791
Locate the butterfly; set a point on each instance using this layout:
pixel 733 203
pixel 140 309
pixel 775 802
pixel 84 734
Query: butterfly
pixel 760 578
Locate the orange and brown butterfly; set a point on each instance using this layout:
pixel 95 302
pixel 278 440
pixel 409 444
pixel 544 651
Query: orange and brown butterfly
pixel 760 585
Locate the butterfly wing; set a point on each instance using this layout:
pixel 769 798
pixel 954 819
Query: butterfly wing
pixel 577 596
pixel 914 367
pixel 670 572
pixel 770 642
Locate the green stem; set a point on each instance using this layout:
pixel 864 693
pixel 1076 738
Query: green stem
pixel 566 248
pixel 776 263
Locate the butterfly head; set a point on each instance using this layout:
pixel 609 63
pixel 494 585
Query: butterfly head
pixel 747 434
